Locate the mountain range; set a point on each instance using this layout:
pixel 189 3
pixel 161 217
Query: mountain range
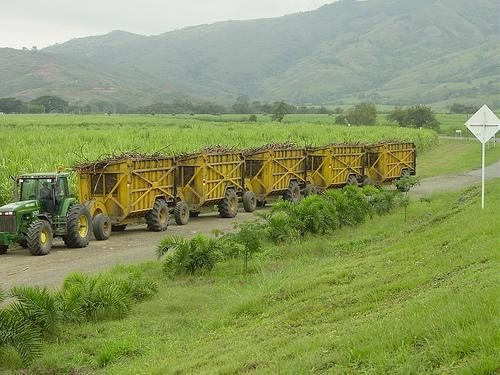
pixel 386 51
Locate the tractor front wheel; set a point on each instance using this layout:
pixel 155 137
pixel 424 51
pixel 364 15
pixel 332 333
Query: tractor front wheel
pixel 101 226
pixel 3 249
pixel 39 237
pixel 78 225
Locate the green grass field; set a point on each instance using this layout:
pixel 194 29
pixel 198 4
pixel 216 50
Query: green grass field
pixel 387 297
pixel 44 142
pixel 454 156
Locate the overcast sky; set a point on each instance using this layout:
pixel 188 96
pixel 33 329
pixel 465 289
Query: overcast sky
pixel 41 23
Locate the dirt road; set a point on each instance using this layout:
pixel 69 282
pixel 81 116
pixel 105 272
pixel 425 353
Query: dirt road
pixel 136 244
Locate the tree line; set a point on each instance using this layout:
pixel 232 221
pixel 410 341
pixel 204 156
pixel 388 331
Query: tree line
pixel 361 114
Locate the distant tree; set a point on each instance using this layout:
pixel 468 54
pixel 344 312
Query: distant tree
pixel 256 107
pixel 252 118
pixel 398 115
pixel 338 110
pixel 341 120
pixel 464 108
pixel 32 108
pixel 419 116
pixel 11 105
pixel 241 105
pixel 51 103
pixel 34 48
pixel 279 111
pixel 362 114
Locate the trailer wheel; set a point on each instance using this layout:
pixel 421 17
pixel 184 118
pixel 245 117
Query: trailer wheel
pixel 181 213
pixel 78 226
pixel 310 190
pixel 194 214
pixel 40 237
pixel 249 201
pixel 228 207
pixel 292 194
pixel 3 249
pixel 157 218
pixel 101 226
pixel 118 228
pixel 352 180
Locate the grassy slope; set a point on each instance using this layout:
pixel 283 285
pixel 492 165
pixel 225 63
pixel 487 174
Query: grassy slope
pixel 387 297
pixel 454 156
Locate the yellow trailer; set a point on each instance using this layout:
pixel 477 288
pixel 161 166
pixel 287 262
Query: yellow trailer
pixel 334 166
pixel 210 178
pixel 122 190
pixel 386 162
pixel 275 170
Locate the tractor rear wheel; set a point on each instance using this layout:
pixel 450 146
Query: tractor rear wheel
pixel 157 218
pixel 228 207
pixel 292 194
pixel 78 226
pixel 249 201
pixel 181 213
pixel 118 228
pixel 39 237
pixel 101 225
pixel 3 249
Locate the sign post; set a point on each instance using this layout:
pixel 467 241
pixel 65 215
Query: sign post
pixel 484 124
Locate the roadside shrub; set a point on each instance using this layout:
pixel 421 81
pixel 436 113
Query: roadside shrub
pixel 319 214
pixel 18 333
pixel 281 225
pixel 85 298
pixel 37 306
pixel 351 204
pixel 187 256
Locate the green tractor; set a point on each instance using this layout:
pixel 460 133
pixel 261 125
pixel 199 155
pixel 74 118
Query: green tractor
pixel 42 210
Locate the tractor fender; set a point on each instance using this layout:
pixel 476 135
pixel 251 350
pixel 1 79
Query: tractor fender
pixel 44 217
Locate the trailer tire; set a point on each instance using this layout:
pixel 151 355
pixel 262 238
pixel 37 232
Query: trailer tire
pixel 3 249
pixel 310 190
pixel 194 214
pixel 249 201
pixel 292 194
pixel 39 237
pixel 118 228
pixel 157 218
pixel 78 226
pixel 352 180
pixel 228 207
pixel 101 226
pixel 181 213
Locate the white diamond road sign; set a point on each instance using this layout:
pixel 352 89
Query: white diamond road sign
pixel 484 124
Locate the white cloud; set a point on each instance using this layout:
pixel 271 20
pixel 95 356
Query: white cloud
pixel 41 23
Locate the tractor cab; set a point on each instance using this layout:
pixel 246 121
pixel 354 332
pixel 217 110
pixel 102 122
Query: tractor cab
pixel 49 189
